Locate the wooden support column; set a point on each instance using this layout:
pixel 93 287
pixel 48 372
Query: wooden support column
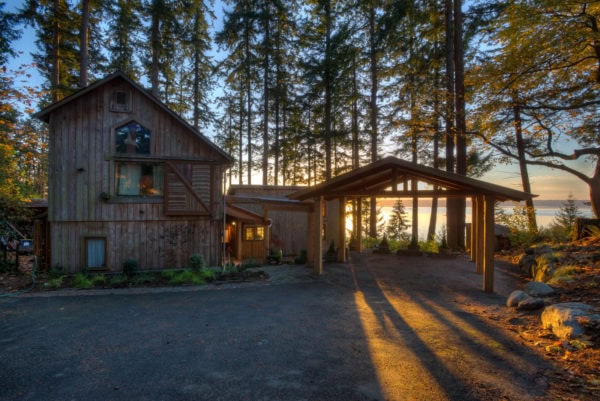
pixel 310 244
pixel 488 257
pixel 267 232
pixel 473 233
pixel 238 241
pixel 359 228
pixel 480 235
pixel 341 256
pixel 317 240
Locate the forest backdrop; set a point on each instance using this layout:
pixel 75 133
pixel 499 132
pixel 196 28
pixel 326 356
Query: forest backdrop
pixel 301 91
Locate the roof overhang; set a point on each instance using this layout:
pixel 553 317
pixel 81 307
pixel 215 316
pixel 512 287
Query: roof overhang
pixel 243 215
pixel 389 177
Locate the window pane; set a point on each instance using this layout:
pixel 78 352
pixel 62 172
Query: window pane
pixel 249 233
pixel 133 138
pixel 260 233
pixel 128 179
pixel 95 253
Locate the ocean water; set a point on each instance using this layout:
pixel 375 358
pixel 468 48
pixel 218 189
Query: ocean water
pixel 546 213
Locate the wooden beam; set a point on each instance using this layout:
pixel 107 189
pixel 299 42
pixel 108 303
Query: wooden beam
pixel 318 241
pixel 397 194
pixel 341 230
pixel 488 259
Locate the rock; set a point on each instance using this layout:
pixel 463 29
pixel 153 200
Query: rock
pixel 563 318
pixel 538 289
pixel 526 263
pixel 531 303
pixel 543 267
pixel 515 297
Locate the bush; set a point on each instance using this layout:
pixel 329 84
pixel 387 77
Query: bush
pixel 188 277
pixel 197 262
pixel 81 280
pixel 130 267
pixel 118 280
pixel 56 282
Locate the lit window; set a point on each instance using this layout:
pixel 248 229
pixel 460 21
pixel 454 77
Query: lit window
pixel 139 179
pixel 254 233
pixel 133 138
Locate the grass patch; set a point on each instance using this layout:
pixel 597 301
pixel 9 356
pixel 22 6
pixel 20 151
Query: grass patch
pixel 143 278
pixel 563 273
pixel 119 280
pixel 190 277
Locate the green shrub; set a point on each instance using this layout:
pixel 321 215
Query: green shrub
pixel 563 273
pixel 118 280
pixel 430 246
pixel 247 263
pixel 55 282
pixel 144 278
pixel 197 262
pixel 98 279
pixel 130 267
pixel 188 277
pixel 369 242
pixel 82 281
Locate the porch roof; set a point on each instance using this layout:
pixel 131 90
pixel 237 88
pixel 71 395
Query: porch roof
pixel 383 177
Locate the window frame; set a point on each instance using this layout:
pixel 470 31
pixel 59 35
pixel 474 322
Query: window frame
pixel 142 163
pixel 254 230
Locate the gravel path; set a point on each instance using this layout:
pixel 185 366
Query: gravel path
pixel 378 328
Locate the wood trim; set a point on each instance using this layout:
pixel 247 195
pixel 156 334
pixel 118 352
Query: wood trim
pixel 189 187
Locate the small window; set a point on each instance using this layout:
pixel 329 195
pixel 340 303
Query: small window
pixel 254 233
pixel 121 101
pixel 139 179
pixel 133 138
pixel 95 253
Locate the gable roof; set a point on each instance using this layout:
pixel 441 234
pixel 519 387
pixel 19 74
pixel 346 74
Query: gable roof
pixel 44 115
pixel 375 179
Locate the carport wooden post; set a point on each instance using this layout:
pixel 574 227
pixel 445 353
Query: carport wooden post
pixel 310 244
pixel 488 261
pixel 341 256
pixel 480 235
pixel 238 241
pixel 317 238
pixel 358 229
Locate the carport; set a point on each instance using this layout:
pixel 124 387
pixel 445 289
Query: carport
pixel 395 178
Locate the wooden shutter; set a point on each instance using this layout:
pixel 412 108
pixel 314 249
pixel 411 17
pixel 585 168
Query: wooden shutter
pixel 188 188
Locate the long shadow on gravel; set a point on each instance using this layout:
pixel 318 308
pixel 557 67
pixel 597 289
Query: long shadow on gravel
pixel 373 329
pixel 427 311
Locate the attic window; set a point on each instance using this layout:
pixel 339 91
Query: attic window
pixel 121 101
pixel 133 138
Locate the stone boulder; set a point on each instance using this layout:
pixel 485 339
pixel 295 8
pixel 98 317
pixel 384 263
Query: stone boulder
pixel 515 297
pixel 538 289
pixel 564 318
pixel 530 303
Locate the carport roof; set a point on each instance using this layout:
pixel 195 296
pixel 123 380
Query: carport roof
pixel 383 177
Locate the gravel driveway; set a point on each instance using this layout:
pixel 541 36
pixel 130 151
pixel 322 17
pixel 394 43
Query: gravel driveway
pixel 377 328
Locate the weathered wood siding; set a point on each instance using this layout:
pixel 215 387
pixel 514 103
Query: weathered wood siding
pixel 82 168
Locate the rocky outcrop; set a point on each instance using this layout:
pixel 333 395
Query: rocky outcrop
pixel 523 301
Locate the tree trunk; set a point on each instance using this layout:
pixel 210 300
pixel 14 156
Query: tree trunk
pixel 83 43
pixel 523 164
pixel 266 54
pixel 374 110
pixel 56 92
pixel 328 93
pixel 241 139
pixel 461 129
pixel 155 45
pixel 249 101
pixel 594 184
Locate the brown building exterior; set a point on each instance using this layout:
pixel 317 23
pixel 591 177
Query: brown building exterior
pixel 283 227
pixel 129 179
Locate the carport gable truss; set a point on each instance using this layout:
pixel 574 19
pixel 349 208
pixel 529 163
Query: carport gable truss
pixel 393 178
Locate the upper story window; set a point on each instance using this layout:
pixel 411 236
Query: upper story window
pixel 133 138
pixel 120 101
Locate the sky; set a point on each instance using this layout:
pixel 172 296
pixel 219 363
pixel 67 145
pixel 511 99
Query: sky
pixel 548 184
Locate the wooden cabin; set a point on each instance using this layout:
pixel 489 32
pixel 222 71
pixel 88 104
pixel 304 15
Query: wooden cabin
pixel 130 179
pixel 274 223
